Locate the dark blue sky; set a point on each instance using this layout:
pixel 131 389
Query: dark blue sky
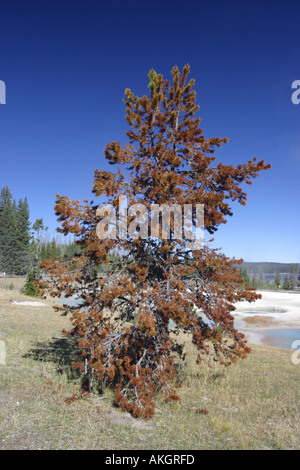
pixel 66 65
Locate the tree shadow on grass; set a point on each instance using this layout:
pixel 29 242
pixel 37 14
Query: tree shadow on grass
pixel 63 352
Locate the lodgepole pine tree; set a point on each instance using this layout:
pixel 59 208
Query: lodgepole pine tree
pixel 24 255
pixel 123 324
pixel 8 232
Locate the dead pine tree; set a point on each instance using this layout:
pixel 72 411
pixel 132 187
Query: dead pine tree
pixel 138 292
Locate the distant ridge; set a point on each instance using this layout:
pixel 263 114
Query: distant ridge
pixel 269 268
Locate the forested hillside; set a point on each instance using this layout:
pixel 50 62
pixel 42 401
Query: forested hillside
pixel 270 268
pixel 23 245
pixel 15 247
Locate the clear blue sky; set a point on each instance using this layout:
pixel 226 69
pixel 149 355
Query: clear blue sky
pixel 66 65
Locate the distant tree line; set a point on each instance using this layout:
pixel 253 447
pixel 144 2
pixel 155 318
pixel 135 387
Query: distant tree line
pixel 269 267
pixel 55 250
pixel 24 245
pixel 290 282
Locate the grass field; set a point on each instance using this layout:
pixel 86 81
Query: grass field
pixel 13 283
pixel 251 405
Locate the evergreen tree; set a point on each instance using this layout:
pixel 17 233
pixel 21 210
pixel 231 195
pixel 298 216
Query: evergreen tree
pixel 254 281
pixel 5 198
pixel 55 250
pixel 123 324
pixel 277 279
pixel 30 287
pixel 17 250
pixel 268 285
pixel 8 232
pixel 38 229
pixel 261 281
pixel 244 275
pixel 50 250
pixel 286 283
pixel 24 254
pixel 293 278
pixel 71 250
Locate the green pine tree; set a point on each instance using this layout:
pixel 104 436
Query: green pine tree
pixel 254 281
pixel 38 229
pixel 71 250
pixel 29 286
pixel 244 275
pixel 8 232
pixel 261 281
pixel 286 283
pixel 277 279
pixel 293 281
pixel 5 199
pixel 24 254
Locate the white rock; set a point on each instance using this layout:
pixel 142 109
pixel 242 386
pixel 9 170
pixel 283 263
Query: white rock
pixel 29 303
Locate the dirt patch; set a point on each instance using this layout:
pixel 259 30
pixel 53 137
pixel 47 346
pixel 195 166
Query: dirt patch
pixel 4 399
pixel 260 321
pixel 125 419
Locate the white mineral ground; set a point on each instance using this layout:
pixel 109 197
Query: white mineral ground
pixel 29 303
pixel 275 310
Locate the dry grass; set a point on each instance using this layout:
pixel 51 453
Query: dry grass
pixel 251 405
pixel 15 282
